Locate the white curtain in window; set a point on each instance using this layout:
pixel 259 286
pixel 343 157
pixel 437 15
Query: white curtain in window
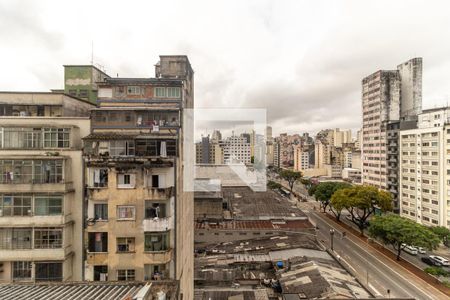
pixel 163 149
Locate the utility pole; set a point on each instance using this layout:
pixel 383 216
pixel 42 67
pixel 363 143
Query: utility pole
pixel 331 238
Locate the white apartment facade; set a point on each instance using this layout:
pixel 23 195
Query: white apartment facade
pixel 236 149
pixel 301 159
pixel 424 188
pixel 41 187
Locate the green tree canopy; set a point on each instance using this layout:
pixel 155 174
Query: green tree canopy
pixel 312 189
pixel 325 190
pixel 398 232
pixel 291 177
pixel 362 202
pixel 339 201
pixel 442 232
pixel 273 185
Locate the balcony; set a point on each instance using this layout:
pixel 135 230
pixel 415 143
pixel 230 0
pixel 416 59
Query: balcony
pixel 159 257
pixel 62 187
pixel 34 220
pixel 32 254
pixel 158 193
pixel 97 258
pixel 158 224
pixel 166 118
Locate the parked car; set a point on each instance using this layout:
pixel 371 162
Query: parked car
pixel 440 260
pixel 421 250
pixel 429 261
pixel 410 249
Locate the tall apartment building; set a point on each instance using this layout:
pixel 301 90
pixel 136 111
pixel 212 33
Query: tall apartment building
pixel 139 218
pixel 41 190
pixel 208 151
pixel 236 149
pixel 276 154
pixel 287 145
pixel 340 137
pixel 301 158
pixel 424 188
pixel 389 98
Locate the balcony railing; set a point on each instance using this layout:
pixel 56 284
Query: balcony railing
pixel 158 224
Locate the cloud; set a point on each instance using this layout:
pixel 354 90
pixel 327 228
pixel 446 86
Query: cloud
pixel 301 60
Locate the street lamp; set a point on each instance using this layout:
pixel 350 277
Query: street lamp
pixel 331 237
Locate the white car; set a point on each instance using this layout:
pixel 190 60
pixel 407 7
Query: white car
pixel 410 249
pixel 440 260
pixel 421 250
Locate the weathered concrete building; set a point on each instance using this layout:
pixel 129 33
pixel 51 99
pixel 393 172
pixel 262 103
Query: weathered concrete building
pixel 140 219
pixel 208 151
pixel 81 81
pixel 389 98
pixel 41 190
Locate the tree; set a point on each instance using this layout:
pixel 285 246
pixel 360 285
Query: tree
pixel 312 189
pixel 339 201
pixel 442 232
pixel 273 185
pixel 399 232
pixel 291 177
pixel 325 190
pixel 364 201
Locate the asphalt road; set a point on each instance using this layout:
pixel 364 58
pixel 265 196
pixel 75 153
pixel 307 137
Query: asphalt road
pixel 373 268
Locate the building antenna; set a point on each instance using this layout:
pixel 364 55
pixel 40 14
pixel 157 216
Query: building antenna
pixel 92 52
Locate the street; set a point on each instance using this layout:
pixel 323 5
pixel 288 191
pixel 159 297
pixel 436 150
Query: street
pixel 371 267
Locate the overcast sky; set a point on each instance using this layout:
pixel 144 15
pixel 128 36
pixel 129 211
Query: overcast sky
pixel 302 60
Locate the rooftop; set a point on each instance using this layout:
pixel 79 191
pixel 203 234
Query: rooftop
pixel 269 244
pixel 255 224
pixel 247 204
pixel 88 290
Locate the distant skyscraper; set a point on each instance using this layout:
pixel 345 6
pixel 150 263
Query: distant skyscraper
pixel 388 97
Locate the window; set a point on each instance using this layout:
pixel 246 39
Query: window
pixel 48 238
pixel 100 273
pixel 125 244
pixel 15 205
pixel 48 205
pixel 156 241
pixel 24 138
pixel 83 93
pixel 15 238
pixel 173 92
pixel 126 180
pixel 155 181
pixel 160 92
pixel 99 177
pixel 155 272
pixel 154 209
pixel 125 275
pixel 156 148
pixel 126 212
pixel 98 242
pixel 31 171
pixel 49 271
pixel 133 90
pixel 21 270
pixel 101 211
pixel 56 137
pixel 73 93
pixel 121 148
